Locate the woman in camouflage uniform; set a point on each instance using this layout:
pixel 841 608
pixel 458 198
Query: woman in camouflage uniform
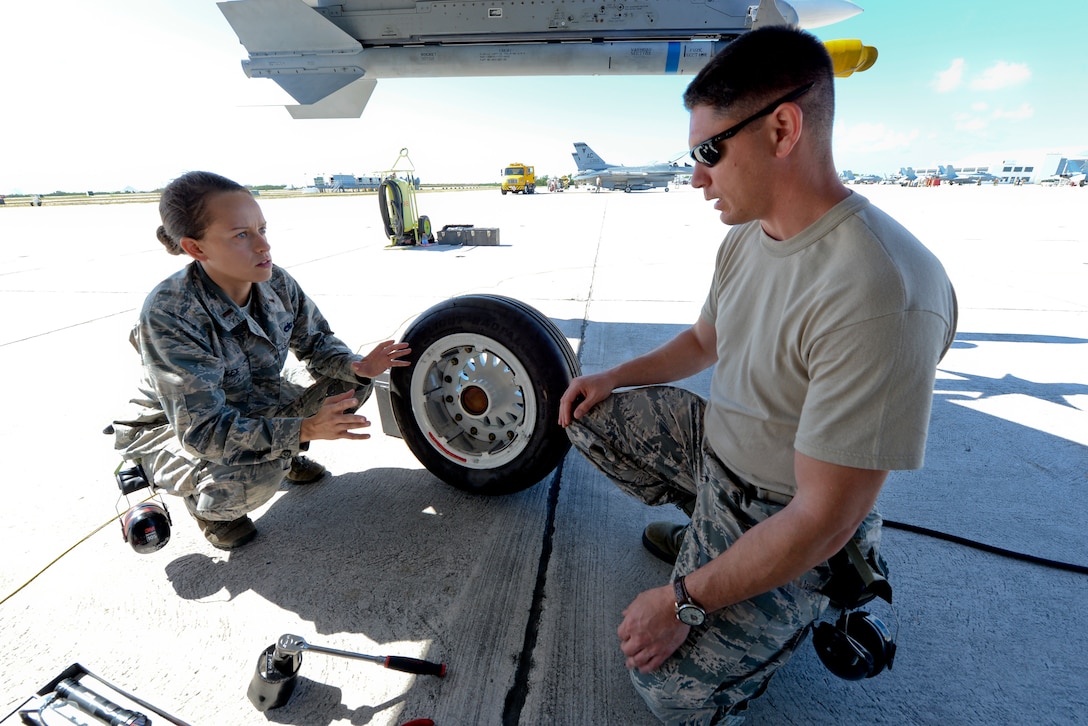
pixel 218 420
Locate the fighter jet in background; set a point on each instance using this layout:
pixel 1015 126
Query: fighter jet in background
pixel 906 177
pixel 596 171
pixel 329 54
pixel 948 173
pixel 849 177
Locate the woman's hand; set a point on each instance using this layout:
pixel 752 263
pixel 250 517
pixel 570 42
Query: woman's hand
pixel 331 421
pixel 384 356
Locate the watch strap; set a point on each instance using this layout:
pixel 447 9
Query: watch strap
pixel 680 589
pixel 688 611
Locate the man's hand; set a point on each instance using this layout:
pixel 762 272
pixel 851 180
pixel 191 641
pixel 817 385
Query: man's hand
pixel 650 632
pixel 331 421
pixel 690 352
pixel 384 356
pixel 583 393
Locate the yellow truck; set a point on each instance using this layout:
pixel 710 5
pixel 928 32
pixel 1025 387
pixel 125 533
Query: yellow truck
pixel 518 177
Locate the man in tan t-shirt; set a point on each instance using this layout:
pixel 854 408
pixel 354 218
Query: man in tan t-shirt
pixel 824 324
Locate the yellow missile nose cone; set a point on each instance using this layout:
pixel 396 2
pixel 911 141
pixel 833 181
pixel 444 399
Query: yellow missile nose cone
pixel 850 56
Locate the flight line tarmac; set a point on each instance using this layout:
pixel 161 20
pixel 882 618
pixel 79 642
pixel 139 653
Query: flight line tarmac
pixel 520 595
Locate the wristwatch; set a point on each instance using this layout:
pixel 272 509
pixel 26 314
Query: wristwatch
pixel 687 612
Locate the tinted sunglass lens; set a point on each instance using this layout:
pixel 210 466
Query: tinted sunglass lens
pixel 707 153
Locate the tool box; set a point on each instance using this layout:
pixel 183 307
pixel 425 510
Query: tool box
pixel 77 696
pixel 467 234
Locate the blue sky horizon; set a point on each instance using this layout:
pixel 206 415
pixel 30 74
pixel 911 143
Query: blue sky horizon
pixel 121 94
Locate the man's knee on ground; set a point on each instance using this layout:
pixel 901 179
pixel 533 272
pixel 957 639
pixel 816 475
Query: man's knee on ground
pixel 675 697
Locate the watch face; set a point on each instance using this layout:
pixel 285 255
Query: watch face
pixel 690 615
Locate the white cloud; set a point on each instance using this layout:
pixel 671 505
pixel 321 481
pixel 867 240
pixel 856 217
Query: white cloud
pixel 1001 75
pixel 978 119
pixel 950 79
pixel 1022 112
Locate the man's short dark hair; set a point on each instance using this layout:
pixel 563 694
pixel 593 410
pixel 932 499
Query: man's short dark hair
pixel 762 65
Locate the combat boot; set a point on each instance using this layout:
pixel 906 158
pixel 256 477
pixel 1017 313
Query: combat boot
pixel 304 470
pixel 228 535
pixel 663 540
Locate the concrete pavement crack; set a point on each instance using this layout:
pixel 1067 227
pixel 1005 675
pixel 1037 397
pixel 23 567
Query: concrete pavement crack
pixel 515 698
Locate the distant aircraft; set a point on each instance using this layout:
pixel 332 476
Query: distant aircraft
pixel 1061 180
pixel 329 54
pixel 595 170
pixel 948 174
pixel 906 176
pixel 848 177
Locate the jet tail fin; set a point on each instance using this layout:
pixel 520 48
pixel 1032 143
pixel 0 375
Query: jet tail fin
pixel 587 159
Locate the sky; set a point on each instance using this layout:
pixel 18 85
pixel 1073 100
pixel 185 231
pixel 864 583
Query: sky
pixel 105 95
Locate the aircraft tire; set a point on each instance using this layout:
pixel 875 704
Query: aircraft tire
pixel 479 404
pixel 392 209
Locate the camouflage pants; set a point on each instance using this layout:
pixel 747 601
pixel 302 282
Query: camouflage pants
pixel 217 492
pixel 649 441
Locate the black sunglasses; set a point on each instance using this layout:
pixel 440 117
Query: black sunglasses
pixel 706 152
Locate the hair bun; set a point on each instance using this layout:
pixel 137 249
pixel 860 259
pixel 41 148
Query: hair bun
pixel 167 241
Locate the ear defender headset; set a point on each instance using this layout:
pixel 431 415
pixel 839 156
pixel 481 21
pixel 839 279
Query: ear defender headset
pixel 146 525
pixel 858 645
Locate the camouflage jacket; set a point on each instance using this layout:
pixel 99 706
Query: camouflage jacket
pixel 213 373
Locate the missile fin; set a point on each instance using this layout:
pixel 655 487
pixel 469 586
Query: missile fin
pixel 348 102
pixel 769 13
pixel 285 26
pixel 309 88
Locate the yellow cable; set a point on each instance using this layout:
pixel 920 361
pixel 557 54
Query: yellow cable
pixel 56 559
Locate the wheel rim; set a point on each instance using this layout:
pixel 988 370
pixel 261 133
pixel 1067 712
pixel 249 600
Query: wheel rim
pixel 473 400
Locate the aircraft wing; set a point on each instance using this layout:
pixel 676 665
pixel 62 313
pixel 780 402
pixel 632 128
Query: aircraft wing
pixel 290 30
pixel 328 57
pixel 627 173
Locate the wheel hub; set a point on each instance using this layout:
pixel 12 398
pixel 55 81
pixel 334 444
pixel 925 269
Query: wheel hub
pixel 474 401
pixel 482 394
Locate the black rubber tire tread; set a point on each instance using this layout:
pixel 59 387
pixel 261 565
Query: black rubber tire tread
pixel 545 354
pixel 392 226
pixel 560 340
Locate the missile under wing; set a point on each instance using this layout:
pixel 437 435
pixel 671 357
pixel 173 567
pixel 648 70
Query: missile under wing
pixel 329 54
